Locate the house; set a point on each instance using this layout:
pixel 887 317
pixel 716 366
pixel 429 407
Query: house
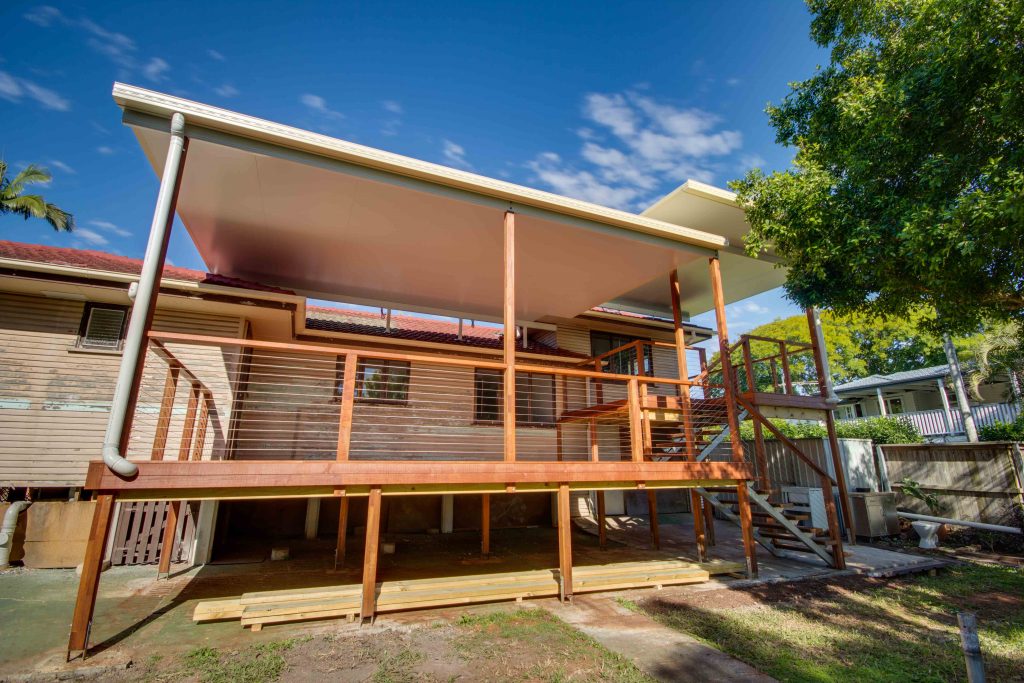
pixel 925 397
pixel 569 398
pixel 63 314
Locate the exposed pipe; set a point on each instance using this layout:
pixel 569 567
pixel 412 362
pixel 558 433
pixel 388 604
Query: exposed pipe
pixel 960 522
pixel 145 300
pixel 7 530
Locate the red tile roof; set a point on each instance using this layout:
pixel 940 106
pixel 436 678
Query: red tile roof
pixel 101 260
pixel 419 329
pixel 318 317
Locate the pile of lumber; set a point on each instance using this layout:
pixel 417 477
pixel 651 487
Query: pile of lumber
pixel 275 607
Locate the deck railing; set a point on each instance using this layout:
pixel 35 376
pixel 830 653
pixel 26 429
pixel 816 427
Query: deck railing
pixel 935 422
pixel 259 400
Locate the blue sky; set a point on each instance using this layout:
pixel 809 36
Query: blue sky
pixel 615 103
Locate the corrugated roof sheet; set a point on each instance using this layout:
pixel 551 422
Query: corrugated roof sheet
pixel 905 377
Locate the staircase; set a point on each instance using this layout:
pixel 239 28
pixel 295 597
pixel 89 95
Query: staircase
pixel 778 527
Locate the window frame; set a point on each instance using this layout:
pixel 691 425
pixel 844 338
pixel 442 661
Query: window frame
pixel 478 373
pixel 391 365
pixel 648 369
pixel 83 327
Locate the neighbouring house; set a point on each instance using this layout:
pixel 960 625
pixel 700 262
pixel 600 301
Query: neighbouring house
pixel 565 373
pixel 926 398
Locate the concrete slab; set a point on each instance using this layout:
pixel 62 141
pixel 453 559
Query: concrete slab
pixel 661 652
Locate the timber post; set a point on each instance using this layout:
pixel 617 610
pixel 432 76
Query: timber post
pixel 602 528
pixel 564 544
pixel 339 550
pixel 485 525
pixel 170 536
pixel 825 388
pixel 88 585
pixel 652 511
pixel 728 380
pixel 747 526
pixel 699 532
pixel 509 341
pixel 369 603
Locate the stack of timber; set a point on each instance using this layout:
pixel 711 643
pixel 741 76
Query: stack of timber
pixel 330 602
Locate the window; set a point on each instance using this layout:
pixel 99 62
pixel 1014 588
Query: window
pixel 623 363
pixel 894 405
pixel 535 398
pixel 377 381
pixel 851 411
pixel 102 326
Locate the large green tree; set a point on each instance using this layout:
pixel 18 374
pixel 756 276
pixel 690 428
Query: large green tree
pixel 907 189
pixel 859 345
pixel 14 197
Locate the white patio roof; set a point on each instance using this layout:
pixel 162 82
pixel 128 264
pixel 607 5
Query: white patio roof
pixel 336 220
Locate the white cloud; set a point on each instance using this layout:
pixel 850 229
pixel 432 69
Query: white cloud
pixel 455 154
pixel 90 236
pixel 117 47
pixel 156 69
pixel 215 55
pixel 103 149
pixel 61 166
pixel 9 88
pixel 632 145
pixel 14 89
pixel 107 226
pixel 733 82
pixel 319 105
pixel 392 106
pixel 226 90
pixel 749 161
pixel 549 169
pixel 44 15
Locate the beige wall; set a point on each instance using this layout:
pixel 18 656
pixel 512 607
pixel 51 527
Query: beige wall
pixel 54 399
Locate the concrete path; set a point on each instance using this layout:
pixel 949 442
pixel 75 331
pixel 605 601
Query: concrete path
pixel 660 651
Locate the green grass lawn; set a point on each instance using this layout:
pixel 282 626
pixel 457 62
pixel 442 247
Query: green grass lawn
pixel 861 629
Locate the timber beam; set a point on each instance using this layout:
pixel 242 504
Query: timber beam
pixel 239 479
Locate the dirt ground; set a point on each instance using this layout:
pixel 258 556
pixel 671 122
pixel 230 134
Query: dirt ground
pixel 493 644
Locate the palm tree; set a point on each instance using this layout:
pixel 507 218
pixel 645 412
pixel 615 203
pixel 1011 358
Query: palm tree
pixel 14 200
pixel 999 352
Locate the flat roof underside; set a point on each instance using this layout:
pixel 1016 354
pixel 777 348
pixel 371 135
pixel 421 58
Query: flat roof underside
pixel 329 229
pixel 709 208
pixel 336 220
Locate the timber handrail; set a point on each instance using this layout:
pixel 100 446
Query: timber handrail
pixel 409 357
pixel 173 361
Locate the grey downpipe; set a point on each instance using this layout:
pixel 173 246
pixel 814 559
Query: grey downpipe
pixel 7 530
pixel 960 522
pixel 145 297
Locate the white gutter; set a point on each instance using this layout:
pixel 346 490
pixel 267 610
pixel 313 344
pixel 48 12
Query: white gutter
pixel 145 302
